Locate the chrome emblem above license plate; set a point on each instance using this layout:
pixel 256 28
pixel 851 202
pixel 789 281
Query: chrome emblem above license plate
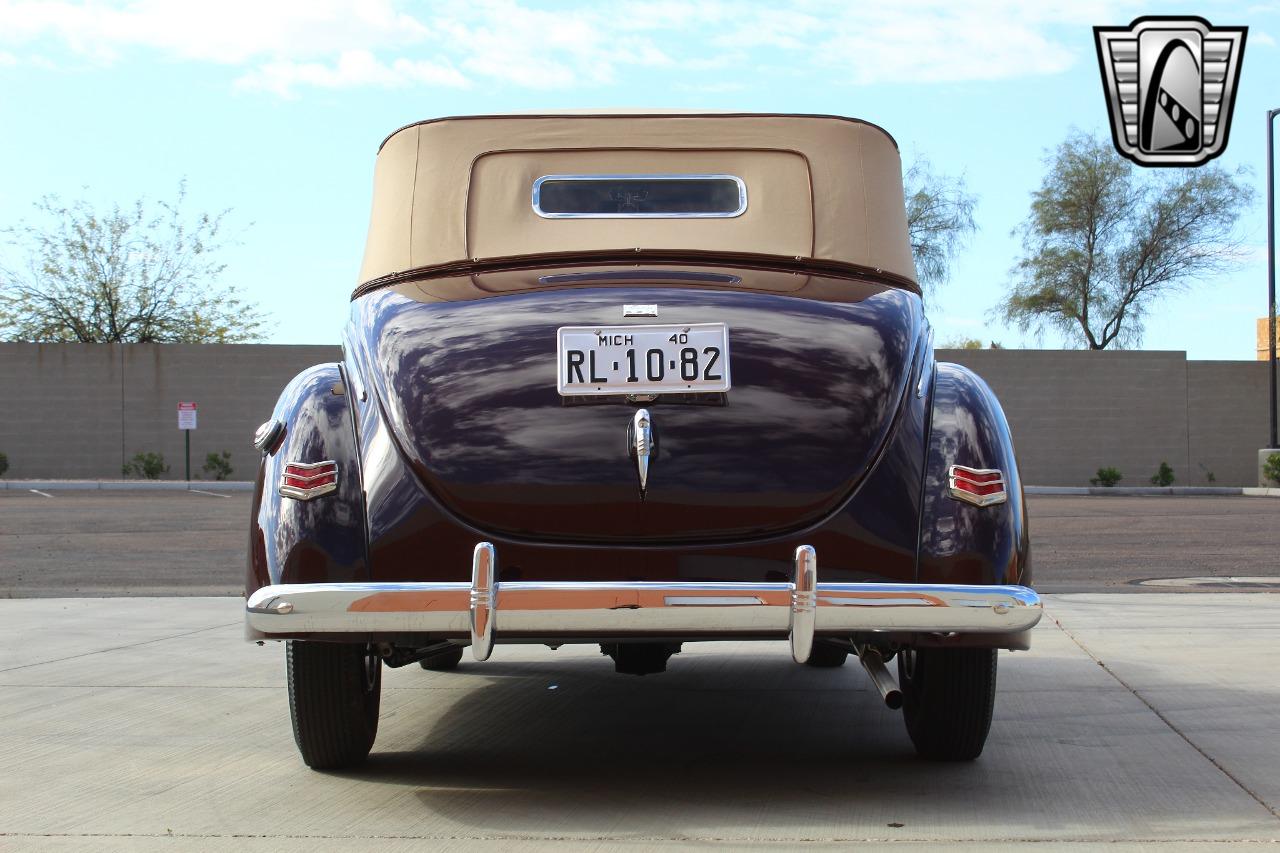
pixel 639 310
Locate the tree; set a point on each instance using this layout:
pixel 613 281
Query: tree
pixel 146 273
pixel 1105 240
pixel 939 221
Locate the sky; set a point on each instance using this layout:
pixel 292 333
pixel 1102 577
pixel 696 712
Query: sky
pixel 275 110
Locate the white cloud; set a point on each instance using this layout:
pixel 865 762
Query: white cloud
pixel 287 45
pixel 228 31
pixel 7 59
pixel 352 68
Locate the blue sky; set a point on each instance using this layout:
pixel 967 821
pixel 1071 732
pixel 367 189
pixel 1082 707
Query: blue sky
pixel 276 109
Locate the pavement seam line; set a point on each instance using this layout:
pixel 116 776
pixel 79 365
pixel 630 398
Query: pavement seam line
pixel 1207 757
pixel 120 648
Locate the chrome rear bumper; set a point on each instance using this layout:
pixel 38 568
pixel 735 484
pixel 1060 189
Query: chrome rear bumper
pixel 484 608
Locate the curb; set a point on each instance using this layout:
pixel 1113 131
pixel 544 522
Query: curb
pixel 128 485
pixel 1249 491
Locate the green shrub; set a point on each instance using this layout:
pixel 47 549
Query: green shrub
pixel 147 465
pixel 1107 477
pixel 218 465
pixel 1270 468
pixel 4 464
pixel 1163 475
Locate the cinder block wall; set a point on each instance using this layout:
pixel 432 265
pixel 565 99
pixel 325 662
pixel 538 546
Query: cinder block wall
pixel 82 410
pixel 1227 418
pixel 1073 412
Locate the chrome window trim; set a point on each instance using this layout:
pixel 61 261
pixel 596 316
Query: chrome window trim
pixel 640 275
pixel 741 209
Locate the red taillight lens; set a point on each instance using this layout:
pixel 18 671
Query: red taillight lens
pixel 308 480
pixel 979 486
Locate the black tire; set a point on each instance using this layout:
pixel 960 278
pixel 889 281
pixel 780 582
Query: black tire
pixel 334 693
pixel 827 655
pixel 948 696
pixel 443 661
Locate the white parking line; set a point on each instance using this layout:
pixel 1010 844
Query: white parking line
pixel 38 492
pixel 203 492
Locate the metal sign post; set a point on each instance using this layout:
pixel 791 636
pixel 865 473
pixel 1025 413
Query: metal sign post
pixel 186 423
pixel 1271 269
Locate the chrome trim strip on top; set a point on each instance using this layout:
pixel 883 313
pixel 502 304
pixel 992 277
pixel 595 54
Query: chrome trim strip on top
pixel 484 599
pixel 741 208
pixel 531 609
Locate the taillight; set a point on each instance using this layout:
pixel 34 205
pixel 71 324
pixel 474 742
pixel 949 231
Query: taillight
pixel 978 486
pixel 307 480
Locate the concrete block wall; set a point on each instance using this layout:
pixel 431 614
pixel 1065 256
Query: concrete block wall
pixel 60 409
pixel 1227 419
pixel 82 410
pixel 1073 412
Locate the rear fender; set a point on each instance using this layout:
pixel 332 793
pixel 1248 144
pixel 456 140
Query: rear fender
pixel 321 539
pixel 961 543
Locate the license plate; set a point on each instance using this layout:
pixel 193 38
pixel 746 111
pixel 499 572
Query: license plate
pixel 665 359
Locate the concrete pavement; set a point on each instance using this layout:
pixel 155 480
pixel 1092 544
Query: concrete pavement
pixel 1142 722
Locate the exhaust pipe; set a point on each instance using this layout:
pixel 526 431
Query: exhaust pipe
pixel 873 663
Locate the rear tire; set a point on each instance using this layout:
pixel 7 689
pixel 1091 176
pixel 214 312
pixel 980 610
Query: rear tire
pixel 948 696
pixel 443 661
pixel 334 693
pixel 827 655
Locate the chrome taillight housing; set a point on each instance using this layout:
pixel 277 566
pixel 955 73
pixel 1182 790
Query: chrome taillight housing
pixel 307 480
pixel 978 486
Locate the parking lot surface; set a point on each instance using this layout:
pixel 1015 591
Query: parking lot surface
pixel 1136 722
pixel 194 543
pixel 1144 721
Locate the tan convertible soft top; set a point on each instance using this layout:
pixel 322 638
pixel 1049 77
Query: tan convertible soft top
pixel 455 191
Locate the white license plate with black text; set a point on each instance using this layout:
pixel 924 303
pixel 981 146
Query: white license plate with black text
pixel 665 359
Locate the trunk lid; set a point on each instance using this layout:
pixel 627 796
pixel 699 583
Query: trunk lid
pixel 468 389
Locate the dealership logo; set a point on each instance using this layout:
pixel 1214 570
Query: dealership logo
pixel 1171 85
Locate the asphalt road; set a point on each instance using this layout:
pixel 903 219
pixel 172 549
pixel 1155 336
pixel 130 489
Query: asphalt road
pixel 189 543
pixel 1135 723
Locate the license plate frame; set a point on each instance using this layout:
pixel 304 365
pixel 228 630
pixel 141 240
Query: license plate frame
pixel 593 360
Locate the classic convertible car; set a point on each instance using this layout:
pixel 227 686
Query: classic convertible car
pixel 639 381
